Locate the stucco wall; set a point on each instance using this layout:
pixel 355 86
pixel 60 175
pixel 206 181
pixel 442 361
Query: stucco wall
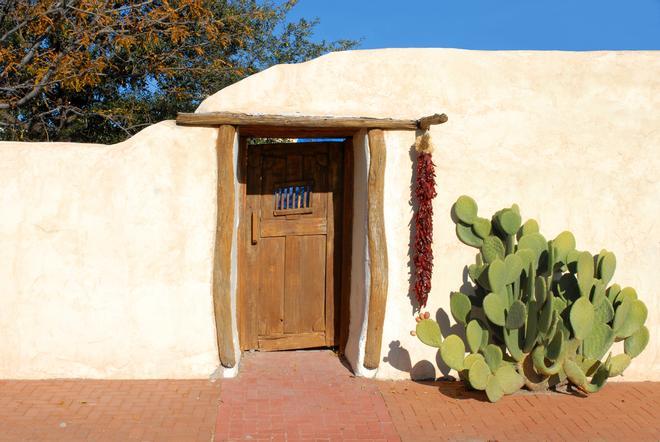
pixel 573 138
pixel 106 251
pixel 106 257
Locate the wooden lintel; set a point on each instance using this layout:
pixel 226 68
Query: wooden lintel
pixel 425 123
pixel 299 122
pixel 377 246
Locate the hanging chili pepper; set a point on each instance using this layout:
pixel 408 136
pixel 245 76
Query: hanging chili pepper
pixel 423 254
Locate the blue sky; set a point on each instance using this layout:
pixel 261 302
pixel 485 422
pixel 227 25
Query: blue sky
pixel 489 24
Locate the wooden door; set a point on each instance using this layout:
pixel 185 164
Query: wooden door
pixel 293 210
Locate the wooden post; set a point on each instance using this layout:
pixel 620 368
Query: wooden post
pixel 224 233
pixel 377 249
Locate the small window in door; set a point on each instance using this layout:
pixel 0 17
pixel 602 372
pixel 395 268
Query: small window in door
pixel 293 198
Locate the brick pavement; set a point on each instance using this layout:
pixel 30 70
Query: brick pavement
pixel 311 396
pixel 307 395
pixel 87 410
pixel 430 411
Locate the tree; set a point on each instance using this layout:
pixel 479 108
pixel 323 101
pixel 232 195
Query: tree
pixel 101 70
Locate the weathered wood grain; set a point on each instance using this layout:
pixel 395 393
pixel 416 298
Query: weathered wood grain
pixel 377 248
pixel 305 121
pixel 223 243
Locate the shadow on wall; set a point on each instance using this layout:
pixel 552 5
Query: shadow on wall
pixel 399 357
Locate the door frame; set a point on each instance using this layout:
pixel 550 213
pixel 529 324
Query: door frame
pixel 343 253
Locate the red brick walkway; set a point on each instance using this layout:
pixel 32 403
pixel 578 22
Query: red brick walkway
pixel 312 396
pixel 306 395
pixel 108 410
pixel 432 411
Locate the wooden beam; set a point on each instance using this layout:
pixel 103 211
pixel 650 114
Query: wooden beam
pixel 377 248
pixel 299 122
pixel 223 244
pixel 425 123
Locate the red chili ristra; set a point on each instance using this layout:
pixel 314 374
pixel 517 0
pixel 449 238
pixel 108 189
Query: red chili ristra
pixel 423 254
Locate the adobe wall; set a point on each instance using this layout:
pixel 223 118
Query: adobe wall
pixel 106 252
pixel 106 256
pixel 573 138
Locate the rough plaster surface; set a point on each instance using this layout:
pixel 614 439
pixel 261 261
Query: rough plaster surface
pixel 106 257
pixel 573 138
pixel 106 251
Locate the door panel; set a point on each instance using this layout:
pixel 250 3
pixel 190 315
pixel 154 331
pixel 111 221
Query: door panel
pixel 304 287
pixel 293 201
pixel 271 285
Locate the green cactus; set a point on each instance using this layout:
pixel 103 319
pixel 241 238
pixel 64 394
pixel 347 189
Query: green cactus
pixel 582 317
pixel 467 236
pixel 460 307
pixel 479 373
pixel 636 343
pixel 452 351
pixel 482 227
pixel 492 249
pixel 474 334
pixel 493 356
pixel 465 209
pixel 428 331
pixel 542 313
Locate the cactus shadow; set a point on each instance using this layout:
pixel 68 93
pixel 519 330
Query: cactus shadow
pixel 454 390
pixel 399 358
pixel 466 285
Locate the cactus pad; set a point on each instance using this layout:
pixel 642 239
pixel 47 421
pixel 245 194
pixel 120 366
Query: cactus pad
pixel 619 364
pixel 475 271
pixel 514 267
pixel 482 227
pixel 515 317
pixel 509 379
pixel 460 306
pixel 626 293
pixel 492 249
pixel 428 331
pixel 585 273
pixel 613 292
pixel 465 209
pixel 636 343
pixel 565 242
pixel 530 226
pixel 467 236
pixel 493 356
pixel 494 390
pixel 629 317
pixel 512 341
pixel 599 341
pixel 509 221
pixel 497 275
pixel 535 242
pixel 574 373
pixel 556 346
pixel 475 335
pixel 479 374
pixel 494 308
pixel 582 317
pixel 604 312
pixel 452 351
pixel 606 267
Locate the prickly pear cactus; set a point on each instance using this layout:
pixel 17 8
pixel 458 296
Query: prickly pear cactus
pixel 541 313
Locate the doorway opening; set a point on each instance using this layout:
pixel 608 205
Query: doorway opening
pixel 295 235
